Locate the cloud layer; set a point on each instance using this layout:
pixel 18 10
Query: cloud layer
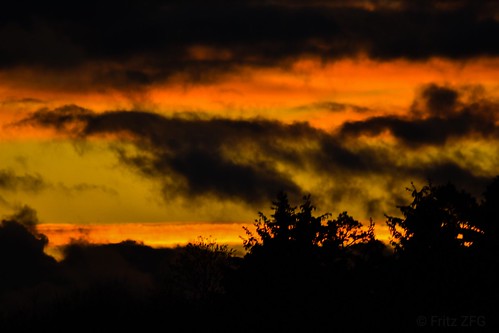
pixel 143 42
pixel 249 160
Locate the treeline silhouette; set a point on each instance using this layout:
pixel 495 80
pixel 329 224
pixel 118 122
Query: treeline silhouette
pixel 301 272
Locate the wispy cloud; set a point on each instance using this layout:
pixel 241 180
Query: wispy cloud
pixel 334 107
pixel 10 181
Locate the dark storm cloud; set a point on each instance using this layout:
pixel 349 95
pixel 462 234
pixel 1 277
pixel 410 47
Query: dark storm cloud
pixel 142 42
pixel 230 159
pixel 440 101
pixel 437 116
pixel 249 160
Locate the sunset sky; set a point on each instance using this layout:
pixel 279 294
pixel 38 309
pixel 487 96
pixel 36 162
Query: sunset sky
pixel 185 118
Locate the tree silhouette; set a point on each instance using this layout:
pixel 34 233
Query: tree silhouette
pixel 22 259
pixel 201 268
pixel 439 219
pixel 298 230
pixel 286 227
pixel 442 264
pixel 345 231
pixel 489 218
pixel 302 270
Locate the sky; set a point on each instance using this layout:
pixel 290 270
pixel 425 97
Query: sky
pixel 191 115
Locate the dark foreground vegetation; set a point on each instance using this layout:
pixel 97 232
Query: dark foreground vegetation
pixel 302 273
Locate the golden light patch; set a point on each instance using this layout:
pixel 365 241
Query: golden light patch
pixel 152 234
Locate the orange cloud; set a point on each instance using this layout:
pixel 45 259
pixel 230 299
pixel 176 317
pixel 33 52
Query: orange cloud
pixel 268 92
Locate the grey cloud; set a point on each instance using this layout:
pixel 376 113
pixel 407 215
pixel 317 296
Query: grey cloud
pixel 440 101
pixel 35 183
pixel 141 43
pixel 437 116
pixel 26 216
pixel 10 181
pixel 448 171
pixel 82 187
pixel 229 159
pixel 79 188
pixel 249 160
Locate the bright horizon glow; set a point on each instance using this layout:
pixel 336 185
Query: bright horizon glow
pixel 152 234
pixel 157 235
